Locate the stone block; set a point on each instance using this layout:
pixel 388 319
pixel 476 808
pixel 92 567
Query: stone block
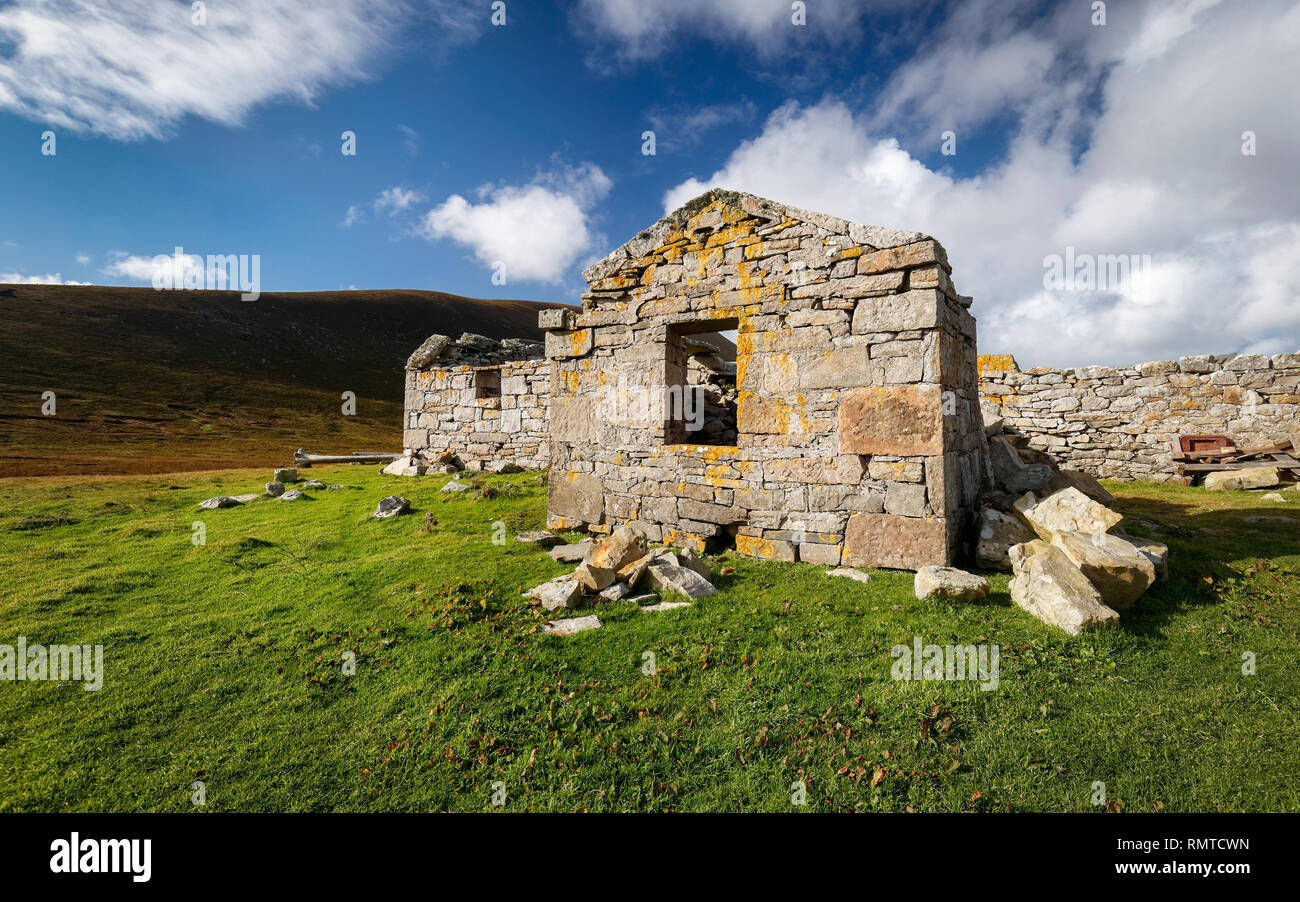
pixel 920 309
pixel 578 496
pixel 900 543
pixel 897 420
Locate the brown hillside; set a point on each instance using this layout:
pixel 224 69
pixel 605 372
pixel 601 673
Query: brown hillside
pixel 156 381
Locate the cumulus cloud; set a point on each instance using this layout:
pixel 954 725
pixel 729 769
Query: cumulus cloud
pixel 17 278
pixel 132 69
pixel 640 29
pixel 1162 174
pixel 536 230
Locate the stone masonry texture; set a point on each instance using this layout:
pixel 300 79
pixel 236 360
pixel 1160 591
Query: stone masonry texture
pixel 1121 422
pixel 857 437
pixel 483 399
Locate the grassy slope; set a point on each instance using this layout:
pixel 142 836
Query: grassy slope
pixel 152 382
pixel 222 665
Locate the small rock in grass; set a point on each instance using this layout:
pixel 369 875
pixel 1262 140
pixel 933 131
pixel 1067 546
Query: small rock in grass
pixel 665 573
pixel 313 484
pixel 292 495
pixel 275 489
pixel 285 474
pixel 1274 496
pixel 561 592
pixel 648 598
pixel 850 573
pixel 571 554
pixel 666 606
pixel 615 592
pixel 334 487
pixel 455 485
pixel 391 506
pixel 571 625
pixel 539 538
pixel 592 577
pixel 950 583
pixel 1248 478
pixel 245 499
pixel 211 504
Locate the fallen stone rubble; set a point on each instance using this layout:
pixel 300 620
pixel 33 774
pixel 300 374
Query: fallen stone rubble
pixel 1072 566
pixel 614 567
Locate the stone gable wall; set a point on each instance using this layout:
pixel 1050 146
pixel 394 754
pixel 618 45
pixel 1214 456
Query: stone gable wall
pixel 1120 422
pixel 859 431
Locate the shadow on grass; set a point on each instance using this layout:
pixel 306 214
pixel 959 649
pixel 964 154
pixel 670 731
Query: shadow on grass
pixel 1208 551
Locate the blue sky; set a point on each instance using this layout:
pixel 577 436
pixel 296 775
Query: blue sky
pixel 521 145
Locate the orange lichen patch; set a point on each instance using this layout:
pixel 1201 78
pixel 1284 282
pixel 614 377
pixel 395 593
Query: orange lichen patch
pixel 850 252
pixel 555 521
pixel 997 363
pixel 703 452
pixel 571 379
pixel 578 338
pixel 684 539
pixel 754 546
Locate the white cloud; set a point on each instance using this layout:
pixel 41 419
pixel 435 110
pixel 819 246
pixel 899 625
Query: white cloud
pixel 641 29
pixel 682 126
pixel 354 215
pixel 536 230
pixel 1162 175
pixel 83 259
pixel 139 268
pixel 132 69
pixel 410 139
pixel 396 200
pixel 17 278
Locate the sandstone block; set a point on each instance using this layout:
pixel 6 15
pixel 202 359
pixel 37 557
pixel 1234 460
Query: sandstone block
pixel 1068 510
pixel 949 583
pixel 1118 570
pixel 919 309
pixel 900 543
pixel 1250 478
pixel 1049 586
pixel 898 420
pixel 580 496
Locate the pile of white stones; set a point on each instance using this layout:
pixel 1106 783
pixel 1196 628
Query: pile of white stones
pixel 613 569
pixel 1073 567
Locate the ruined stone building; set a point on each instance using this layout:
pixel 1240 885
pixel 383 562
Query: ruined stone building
pixel 857 436
pixel 481 398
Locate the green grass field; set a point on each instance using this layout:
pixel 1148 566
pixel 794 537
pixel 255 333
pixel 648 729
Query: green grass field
pixel 222 664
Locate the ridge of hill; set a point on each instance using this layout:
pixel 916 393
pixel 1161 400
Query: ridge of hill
pixel 152 381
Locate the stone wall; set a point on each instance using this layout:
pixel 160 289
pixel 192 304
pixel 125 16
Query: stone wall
pixel 485 400
pixel 1120 422
pixel 859 436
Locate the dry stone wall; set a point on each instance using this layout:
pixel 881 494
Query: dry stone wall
pixel 859 434
pixel 482 399
pixel 1120 422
